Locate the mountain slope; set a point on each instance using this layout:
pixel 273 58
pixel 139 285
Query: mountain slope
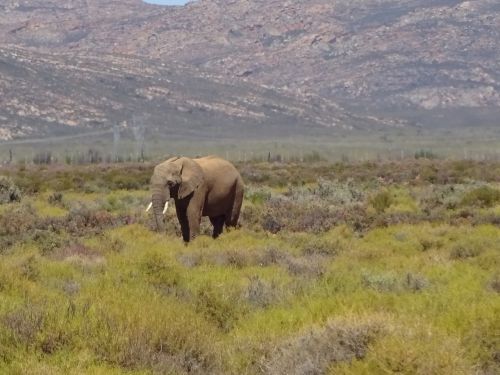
pixel 43 95
pixel 427 61
pixel 412 50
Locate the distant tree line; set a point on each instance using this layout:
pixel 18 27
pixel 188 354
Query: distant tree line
pixel 91 156
pixel 95 156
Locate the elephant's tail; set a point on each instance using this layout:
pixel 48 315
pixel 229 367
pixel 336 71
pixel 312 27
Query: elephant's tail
pixel 232 220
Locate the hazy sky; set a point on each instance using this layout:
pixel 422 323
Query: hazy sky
pixel 167 2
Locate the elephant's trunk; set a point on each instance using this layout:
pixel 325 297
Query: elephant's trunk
pixel 160 196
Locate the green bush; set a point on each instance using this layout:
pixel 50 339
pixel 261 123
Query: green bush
pixel 483 196
pixel 160 272
pixel 223 307
pixel 381 201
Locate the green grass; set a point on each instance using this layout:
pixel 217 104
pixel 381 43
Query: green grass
pixel 349 284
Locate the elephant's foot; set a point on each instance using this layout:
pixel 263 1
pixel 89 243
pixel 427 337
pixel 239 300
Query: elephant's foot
pixel 218 223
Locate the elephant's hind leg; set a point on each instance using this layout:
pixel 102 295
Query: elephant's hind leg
pixel 218 223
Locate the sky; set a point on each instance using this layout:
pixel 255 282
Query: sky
pixel 167 2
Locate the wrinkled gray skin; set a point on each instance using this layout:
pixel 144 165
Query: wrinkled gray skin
pixel 208 186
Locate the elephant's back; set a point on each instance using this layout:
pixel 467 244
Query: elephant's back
pixel 216 166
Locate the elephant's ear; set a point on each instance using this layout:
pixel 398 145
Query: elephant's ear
pixel 192 178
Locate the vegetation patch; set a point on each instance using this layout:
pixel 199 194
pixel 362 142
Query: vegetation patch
pixel 9 192
pixel 316 349
pixel 360 268
pixel 483 196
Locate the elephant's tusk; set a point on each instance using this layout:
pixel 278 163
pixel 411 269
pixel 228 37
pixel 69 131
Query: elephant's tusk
pixel 165 208
pixel 149 207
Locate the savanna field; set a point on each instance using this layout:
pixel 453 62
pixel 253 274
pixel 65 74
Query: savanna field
pixel 346 268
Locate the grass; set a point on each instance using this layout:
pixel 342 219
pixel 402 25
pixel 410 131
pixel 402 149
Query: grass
pixel 370 269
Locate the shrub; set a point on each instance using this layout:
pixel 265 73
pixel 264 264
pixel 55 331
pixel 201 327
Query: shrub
pixel 55 199
pixel 251 217
pixel 321 247
pixel 9 192
pixel 271 224
pixel 126 182
pixel 495 283
pixel 235 258
pixel 411 350
pixel 109 243
pixel 18 220
pixel 381 201
pixel 313 219
pixel 271 256
pixel 223 307
pixel 466 249
pixel 415 282
pixel 25 323
pixel 316 349
pixel 42 326
pixel 260 293
pixel 309 266
pixel 72 250
pixel 167 339
pixel 430 243
pixel 483 196
pixel 80 218
pixel 48 241
pixel 388 282
pixel 327 192
pixel 30 268
pixel 429 173
pixel 339 192
pixel 382 282
pixel 160 272
pixel 257 196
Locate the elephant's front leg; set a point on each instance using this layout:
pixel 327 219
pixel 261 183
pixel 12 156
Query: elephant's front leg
pixel 193 219
pixel 183 221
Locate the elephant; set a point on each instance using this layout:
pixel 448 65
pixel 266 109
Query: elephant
pixel 207 186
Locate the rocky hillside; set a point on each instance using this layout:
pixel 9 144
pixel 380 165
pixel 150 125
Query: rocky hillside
pixel 418 60
pixel 44 95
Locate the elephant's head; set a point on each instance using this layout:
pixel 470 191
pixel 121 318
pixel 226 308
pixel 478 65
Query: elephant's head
pixel 176 178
